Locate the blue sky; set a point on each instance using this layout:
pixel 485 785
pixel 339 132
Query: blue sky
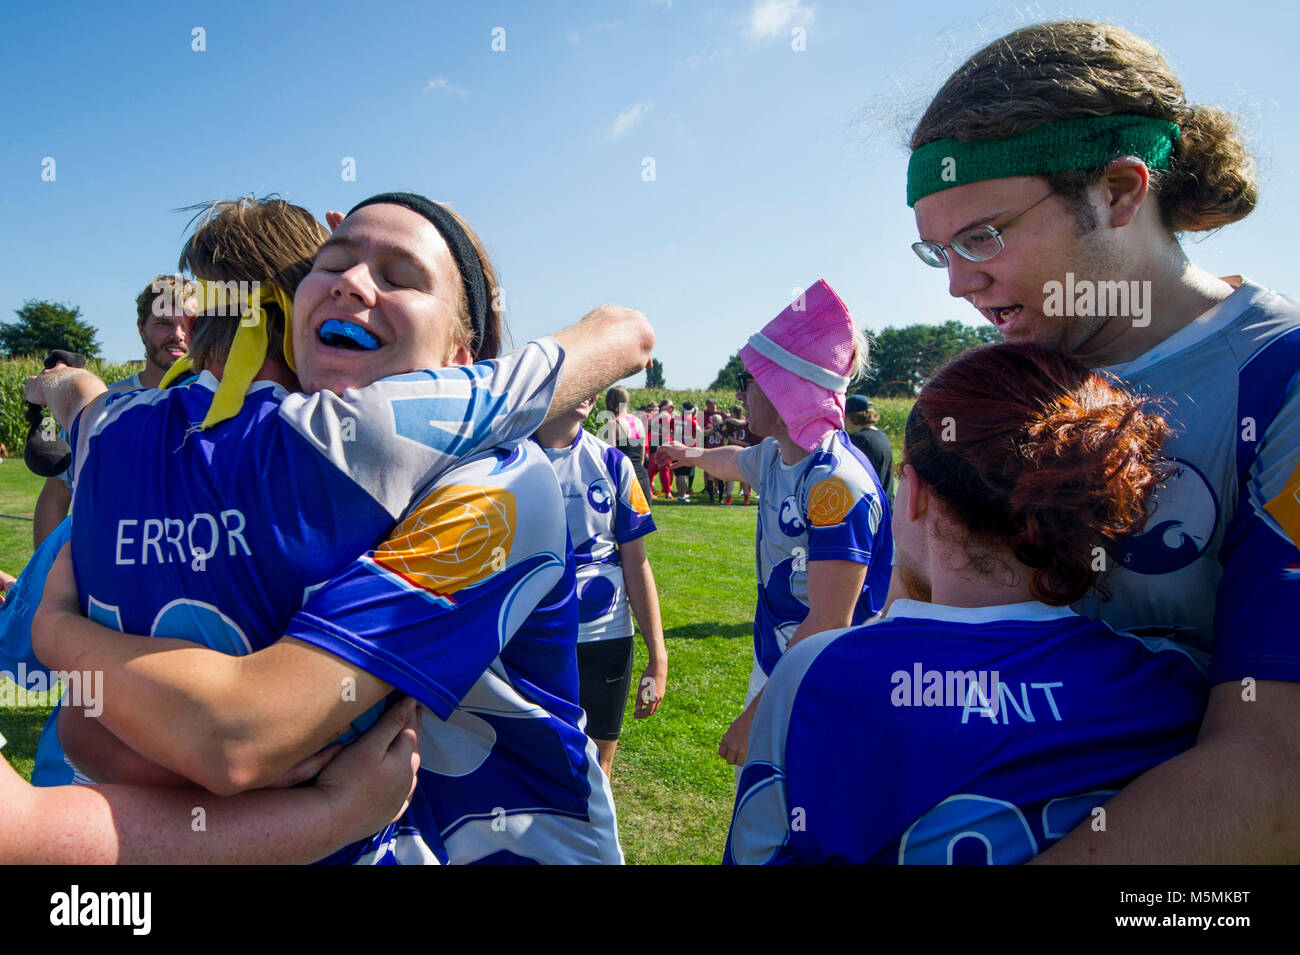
pixel 772 167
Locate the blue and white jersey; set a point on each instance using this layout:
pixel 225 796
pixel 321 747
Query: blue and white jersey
pixel 942 735
pixel 606 508
pixel 130 383
pixel 1217 566
pixel 829 506
pixel 469 606
pixel 218 536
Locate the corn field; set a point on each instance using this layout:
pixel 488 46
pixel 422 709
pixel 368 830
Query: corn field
pixel 14 373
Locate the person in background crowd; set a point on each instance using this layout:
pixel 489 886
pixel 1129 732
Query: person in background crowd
pixel 162 315
pixel 713 438
pixel 860 421
pixel 736 431
pixel 823 543
pixel 710 409
pixel 608 517
pixel 163 312
pixel 627 432
pixel 661 432
pixel 686 430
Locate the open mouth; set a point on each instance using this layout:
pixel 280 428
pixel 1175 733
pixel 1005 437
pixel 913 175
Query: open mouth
pixel 1003 314
pixel 337 333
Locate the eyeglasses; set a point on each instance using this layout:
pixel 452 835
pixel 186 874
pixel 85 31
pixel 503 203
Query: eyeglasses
pixel 742 381
pixel 977 244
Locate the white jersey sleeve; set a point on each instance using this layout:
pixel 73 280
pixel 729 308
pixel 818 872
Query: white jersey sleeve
pixel 751 463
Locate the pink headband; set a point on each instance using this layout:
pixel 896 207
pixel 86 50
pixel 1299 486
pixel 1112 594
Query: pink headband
pixel 802 360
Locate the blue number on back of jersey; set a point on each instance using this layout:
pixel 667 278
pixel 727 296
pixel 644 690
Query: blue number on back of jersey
pixel 999 825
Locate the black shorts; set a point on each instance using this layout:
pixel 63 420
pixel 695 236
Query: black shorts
pixel 604 673
pixel 686 472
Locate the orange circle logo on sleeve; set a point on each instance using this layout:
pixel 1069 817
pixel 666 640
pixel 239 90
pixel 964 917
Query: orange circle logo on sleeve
pixel 637 495
pixel 829 503
pixel 459 535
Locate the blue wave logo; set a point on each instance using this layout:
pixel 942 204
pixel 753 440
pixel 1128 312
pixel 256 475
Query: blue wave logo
pixel 1180 528
pixel 599 497
pixel 788 517
pixel 1151 549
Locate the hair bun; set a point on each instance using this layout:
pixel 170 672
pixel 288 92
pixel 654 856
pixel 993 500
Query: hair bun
pixel 1211 182
pixel 1044 457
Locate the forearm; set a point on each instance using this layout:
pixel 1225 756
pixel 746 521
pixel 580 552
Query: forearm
pixel 170 700
pixel 136 825
pixel 644 598
pixel 607 345
pixel 66 391
pixel 807 628
pixel 357 792
pixel 722 463
pixel 51 508
pixel 834 588
pixel 190 709
pixel 101 756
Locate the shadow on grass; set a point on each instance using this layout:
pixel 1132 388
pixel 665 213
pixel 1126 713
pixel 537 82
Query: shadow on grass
pixel 22 727
pixel 728 631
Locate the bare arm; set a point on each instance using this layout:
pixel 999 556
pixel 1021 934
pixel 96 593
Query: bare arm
pixel 51 508
pixel 834 587
pixel 719 462
pixel 606 345
pixel 364 788
pixel 833 590
pixel 101 756
pixel 65 391
pixel 1232 798
pixel 644 598
pixel 229 724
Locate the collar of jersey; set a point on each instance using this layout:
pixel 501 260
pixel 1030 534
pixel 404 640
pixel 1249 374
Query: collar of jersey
pixel 554 452
pixel 210 381
pixel 807 460
pixel 1032 610
pixel 1208 323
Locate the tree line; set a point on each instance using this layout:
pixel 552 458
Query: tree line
pixel 44 326
pixel 902 359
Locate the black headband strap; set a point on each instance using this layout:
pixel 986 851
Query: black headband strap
pixel 462 251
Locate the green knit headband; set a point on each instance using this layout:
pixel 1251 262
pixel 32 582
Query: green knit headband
pixel 1055 146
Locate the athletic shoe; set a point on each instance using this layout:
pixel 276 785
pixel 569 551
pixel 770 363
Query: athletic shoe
pixel 686 499
pixel 727 500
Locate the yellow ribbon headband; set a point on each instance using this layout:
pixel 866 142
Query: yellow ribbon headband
pixel 248 351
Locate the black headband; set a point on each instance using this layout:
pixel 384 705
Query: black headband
pixel 462 251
